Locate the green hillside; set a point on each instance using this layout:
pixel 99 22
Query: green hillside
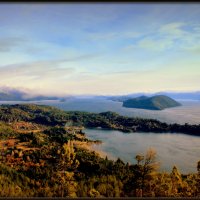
pixel 42 157
pixel 158 102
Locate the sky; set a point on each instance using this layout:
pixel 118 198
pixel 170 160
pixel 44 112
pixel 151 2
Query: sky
pixel 99 48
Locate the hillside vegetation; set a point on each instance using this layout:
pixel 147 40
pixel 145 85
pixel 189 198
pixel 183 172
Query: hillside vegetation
pixel 43 154
pixel 50 116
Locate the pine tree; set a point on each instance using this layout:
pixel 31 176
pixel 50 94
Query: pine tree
pixel 146 170
pixel 65 170
pixel 198 179
pixel 176 181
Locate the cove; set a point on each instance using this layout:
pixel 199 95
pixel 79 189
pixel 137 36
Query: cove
pixel 172 149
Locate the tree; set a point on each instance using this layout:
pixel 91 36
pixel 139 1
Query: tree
pixel 198 178
pixel 93 193
pixel 139 158
pixel 68 185
pixel 163 185
pixel 66 165
pixel 176 181
pixel 67 158
pixel 145 171
pixel 198 167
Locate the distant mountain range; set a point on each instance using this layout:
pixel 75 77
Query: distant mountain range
pixel 9 94
pixel 174 95
pixel 15 95
pixel 158 102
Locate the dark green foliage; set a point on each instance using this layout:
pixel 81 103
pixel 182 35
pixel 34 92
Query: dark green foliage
pixel 30 112
pixel 56 134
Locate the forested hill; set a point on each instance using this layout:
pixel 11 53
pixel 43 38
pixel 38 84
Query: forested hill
pixel 48 115
pixel 158 102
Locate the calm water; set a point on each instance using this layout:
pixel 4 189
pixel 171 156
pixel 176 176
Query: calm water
pixel 182 150
pixel 188 113
pixel 172 149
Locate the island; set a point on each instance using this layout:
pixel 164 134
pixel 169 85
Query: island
pixel 158 102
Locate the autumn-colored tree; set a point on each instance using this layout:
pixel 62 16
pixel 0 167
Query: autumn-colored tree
pixel 146 170
pixel 198 179
pixel 162 185
pixel 66 165
pixel 93 193
pixel 177 182
pixel 109 186
pixel 139 158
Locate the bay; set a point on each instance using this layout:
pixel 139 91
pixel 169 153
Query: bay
pixel 172 149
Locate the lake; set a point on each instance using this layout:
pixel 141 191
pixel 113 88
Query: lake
pixel 172 149
pixel 189 112
pixel 182 150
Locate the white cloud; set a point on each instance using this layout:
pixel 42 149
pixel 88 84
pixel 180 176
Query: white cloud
pixel 174 29
pixel 175 36
pixel 113 35
pixel 156 44
pixel 34 70
pixel 8 43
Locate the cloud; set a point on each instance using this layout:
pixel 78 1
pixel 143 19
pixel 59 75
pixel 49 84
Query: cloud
pixel 51 79
pixel 49 69
pixel 194 49
pixel 164 38
pixel 155 45
pixel 8 43
pixel 174 29
pixel 82 57
pixel 53 55
pixel 34 70
pixel 113 35
pixel 171 36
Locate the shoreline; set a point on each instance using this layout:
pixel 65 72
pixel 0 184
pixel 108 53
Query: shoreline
pixel 90 147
